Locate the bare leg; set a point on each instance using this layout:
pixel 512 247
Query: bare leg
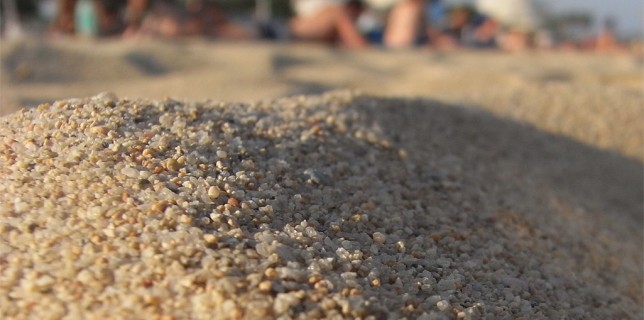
pixel 330 24
pixel 403 23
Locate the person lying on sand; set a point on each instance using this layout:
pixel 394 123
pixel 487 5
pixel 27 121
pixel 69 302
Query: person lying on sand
pixel 333 22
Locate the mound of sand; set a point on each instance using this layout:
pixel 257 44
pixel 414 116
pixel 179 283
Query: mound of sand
pixel 333 206
pixel 594 99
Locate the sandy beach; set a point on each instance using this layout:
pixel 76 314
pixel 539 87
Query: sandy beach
pixel 596 99
pixel 438 186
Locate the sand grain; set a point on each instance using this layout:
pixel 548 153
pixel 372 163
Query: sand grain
pixel 339 205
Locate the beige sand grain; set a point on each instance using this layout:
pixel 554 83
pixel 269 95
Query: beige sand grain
pixel 334 206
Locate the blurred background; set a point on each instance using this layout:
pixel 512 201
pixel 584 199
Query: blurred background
pixel 565 20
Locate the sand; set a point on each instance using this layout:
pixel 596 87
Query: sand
pixel 337 206
pixel 594 99
pixel 523 205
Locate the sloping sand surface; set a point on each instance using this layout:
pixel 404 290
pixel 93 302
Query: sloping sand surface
pixel 333 206
pixel 498 187
pixel 595 99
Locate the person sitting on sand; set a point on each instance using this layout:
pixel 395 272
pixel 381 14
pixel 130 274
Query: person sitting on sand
pixel 333 21
pixel 194 18
pixel 517 22
pixel 106 14
pixel 451 33
pixel 404 19
pixel 463 27
pixel 167 19
pixel 329 21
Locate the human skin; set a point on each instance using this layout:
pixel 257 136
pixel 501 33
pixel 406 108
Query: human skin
pixel 333 23
pixel 404 20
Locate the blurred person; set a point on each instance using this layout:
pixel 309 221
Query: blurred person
pixel 135 12
pixel 11 28
pixel 263 18
pixel 485 33
pixel 464 27
pixel 107 16
pixel 329 21
pixel 454 31
pixel 436 15
pixel 334 21
pixel 169 19
pixel 165 18
pixel 606 41
pixel 518 22
pixel 404 23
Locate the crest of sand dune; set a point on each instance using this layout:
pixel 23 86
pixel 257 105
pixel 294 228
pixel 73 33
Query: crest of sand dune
pixel 595 99
pixel 334 206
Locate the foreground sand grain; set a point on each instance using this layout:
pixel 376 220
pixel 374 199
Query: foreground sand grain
pixel 328 206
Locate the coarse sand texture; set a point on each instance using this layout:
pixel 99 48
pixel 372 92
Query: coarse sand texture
pixel 333 206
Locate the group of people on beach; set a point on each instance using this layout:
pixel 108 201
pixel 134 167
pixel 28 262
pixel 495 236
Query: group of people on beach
pixel 346 23
pixel 132 18
pixel 403 24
